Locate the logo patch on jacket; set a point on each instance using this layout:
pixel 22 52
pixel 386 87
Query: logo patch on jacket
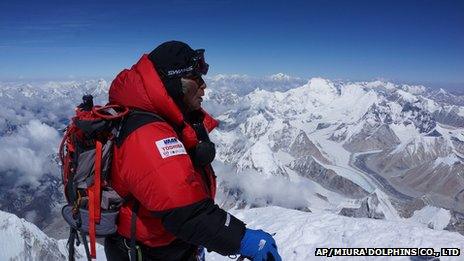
pixel 170 147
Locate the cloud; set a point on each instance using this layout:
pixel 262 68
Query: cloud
pixel 31 119
pixel 260 190
pixel 28 152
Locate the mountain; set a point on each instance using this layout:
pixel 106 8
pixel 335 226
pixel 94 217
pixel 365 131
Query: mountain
pixel 298 234
pixel 22 240
pixel 443 96
pixel 243 84
pixel 347 140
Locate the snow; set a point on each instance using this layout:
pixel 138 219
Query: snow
pixel 259 157
pixel 244 84
pixel 441 91
pixel 324 89
pixel 354 101
pixel 414 89
pixel 298 234
pixel 430 105
pixel 406 133
pixel 433 217
pixel 80 255
pixel 406 96
pixel 12 228
pixel 380 84
pixel 255 126
pixel 386 207
pixel 22 240
pixel 284 157
pixel 449 160
pixel 419 143
pixel 280 77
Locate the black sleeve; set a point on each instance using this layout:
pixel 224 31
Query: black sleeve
pixel 205 224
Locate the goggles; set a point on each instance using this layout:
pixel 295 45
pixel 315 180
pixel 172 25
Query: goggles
pixel 197 67
pixel 200 67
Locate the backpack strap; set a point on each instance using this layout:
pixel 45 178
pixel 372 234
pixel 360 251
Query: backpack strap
pixel 133 247
pixel 94 199
pixel 70 244
pixel 134 120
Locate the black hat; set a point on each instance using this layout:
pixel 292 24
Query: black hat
pixel 172 60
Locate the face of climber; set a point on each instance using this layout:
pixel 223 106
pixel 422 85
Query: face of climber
pixel 193 89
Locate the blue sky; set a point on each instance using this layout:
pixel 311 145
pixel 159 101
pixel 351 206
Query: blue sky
pixel 409 41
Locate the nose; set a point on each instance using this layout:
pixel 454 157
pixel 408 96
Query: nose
pixel 202 88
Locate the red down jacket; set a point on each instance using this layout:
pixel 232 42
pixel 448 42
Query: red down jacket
pixel 139 169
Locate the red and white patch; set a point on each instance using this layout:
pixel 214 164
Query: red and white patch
pixel 170 147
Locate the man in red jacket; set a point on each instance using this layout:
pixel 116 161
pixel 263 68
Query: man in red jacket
pixel 164 167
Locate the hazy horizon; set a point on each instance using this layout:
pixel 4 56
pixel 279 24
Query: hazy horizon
pixel 455 88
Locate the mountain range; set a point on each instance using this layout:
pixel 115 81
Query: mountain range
pixel 398 147
pixel 375 149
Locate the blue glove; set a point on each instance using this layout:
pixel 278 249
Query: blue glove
pixel 259 246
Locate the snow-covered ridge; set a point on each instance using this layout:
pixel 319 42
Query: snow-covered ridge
pixel 243 84
pixel 297 234
pixel 21 240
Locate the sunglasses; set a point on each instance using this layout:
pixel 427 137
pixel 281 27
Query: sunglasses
pixel 196 78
